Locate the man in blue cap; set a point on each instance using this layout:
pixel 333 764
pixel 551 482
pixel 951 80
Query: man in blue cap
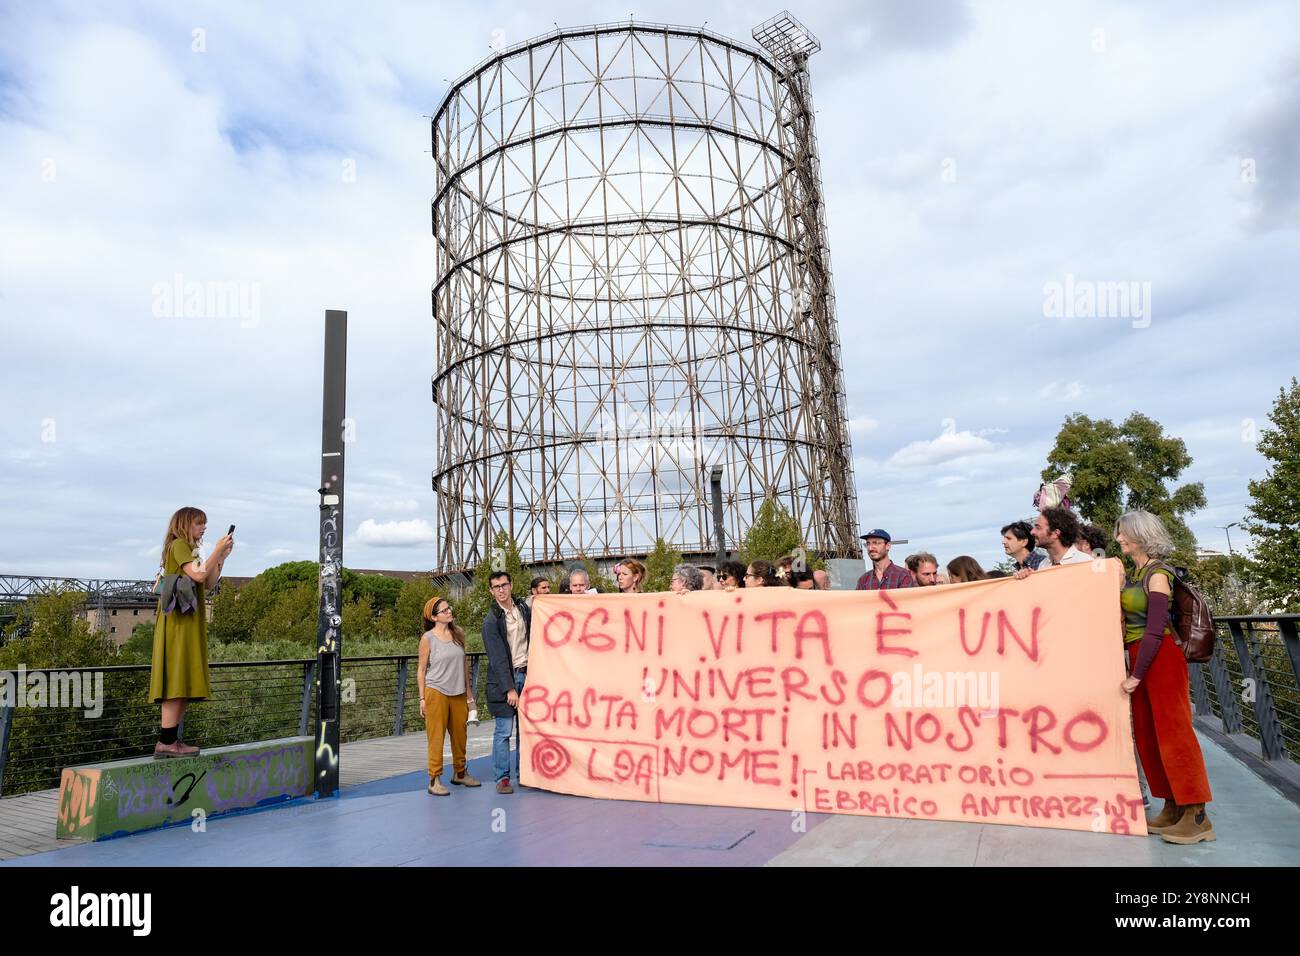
pixel 884 573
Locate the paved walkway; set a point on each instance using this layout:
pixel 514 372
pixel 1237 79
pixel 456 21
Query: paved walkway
pixel 383 819
pixel 1255 826
pixel 27 820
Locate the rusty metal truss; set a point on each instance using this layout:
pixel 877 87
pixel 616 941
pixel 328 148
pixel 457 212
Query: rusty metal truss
pixel 632 286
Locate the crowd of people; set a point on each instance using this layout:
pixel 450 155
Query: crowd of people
pixel 1157 681
pixel 1057 536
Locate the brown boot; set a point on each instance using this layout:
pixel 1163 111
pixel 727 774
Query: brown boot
pixel 1193 827
pixel 1166 818
pixel 437 789
pixel 463 779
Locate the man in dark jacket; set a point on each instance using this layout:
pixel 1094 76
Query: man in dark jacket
pixel 505 638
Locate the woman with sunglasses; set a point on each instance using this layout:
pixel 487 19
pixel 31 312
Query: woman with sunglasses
pixel 446 694
pixel 731 575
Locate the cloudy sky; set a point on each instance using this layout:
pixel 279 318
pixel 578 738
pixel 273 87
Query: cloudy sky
pixel 973 154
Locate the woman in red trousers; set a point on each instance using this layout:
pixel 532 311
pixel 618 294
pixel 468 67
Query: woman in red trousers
pixel 1157 681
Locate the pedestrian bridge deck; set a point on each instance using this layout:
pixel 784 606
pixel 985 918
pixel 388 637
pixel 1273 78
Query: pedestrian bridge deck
pixel 384 818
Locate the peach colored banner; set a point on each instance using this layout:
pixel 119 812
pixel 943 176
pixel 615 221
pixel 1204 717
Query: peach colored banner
pixel 991 702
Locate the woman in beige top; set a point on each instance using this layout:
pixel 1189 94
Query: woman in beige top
pixel 445 693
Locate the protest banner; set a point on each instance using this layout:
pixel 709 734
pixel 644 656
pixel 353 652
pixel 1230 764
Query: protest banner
pixel 989 702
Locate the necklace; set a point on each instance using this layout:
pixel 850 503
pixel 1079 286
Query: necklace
pixel 1136 573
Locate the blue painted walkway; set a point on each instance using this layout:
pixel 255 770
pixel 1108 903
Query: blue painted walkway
pixel 393 822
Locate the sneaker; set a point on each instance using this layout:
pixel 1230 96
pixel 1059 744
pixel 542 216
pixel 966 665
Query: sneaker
pixel 437 789
pixel 1193 827
pixel 464 780
pixel 503 786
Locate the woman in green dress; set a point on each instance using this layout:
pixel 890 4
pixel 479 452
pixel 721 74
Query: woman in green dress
pixel 180 642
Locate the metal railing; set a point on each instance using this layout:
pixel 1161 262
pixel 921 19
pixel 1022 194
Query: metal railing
pixel 1251 687
pixel 251 700
pixel 1252 683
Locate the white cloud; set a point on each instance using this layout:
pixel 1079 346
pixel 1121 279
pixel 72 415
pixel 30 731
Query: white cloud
pixel 950 446
pixel 1060 392
pixel 862 425
pixel 163 161
pixel 395 534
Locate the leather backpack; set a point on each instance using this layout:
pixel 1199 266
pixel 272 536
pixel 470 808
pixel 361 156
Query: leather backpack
pixel 1192 621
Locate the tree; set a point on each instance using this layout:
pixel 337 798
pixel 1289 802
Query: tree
pixel 292 617
pixel 236 613
pixel 1127 467
pixel 774 534
pixel 138 648
pixel 1228 583
pixel 1274 508
pixel 659 565
pixel 55 634
pixel 379 588
pixel 358 615
pixel 405 622
pixel 474 605
pixel 290 574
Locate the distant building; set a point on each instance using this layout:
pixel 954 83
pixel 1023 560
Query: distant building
pixel 118 620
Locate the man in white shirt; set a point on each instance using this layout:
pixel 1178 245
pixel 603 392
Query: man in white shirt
pixel 1056 530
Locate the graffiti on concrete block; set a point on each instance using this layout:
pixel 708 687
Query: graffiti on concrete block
pixel 245 780
pixel 77 796
pixel 153 794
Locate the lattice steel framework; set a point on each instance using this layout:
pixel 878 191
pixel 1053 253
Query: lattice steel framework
pixel 632 286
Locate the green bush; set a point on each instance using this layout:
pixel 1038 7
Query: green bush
pixel 659 565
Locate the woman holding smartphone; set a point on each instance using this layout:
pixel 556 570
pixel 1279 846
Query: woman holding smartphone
pixel 180 640
pixel 445 693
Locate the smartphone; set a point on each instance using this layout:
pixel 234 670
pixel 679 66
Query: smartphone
pixel 231 531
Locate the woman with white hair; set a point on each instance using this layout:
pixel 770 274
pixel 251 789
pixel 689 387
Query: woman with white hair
pixel 686 577
pixel 1162 714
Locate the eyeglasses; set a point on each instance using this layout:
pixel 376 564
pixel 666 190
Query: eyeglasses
pixel 751 574
pixel 443 610
pixel 503 586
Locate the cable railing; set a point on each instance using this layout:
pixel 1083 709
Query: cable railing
pixel 251 700
pixel 1251 687
pixel 1252 683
